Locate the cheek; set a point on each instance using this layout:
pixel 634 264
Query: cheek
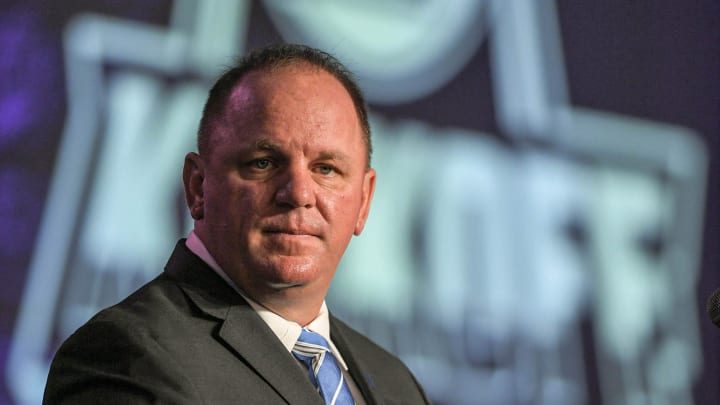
pixel 342 209
pixel 247 205
pixel 238 204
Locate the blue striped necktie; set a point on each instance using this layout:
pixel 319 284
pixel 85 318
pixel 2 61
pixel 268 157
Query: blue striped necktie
pixel 324 372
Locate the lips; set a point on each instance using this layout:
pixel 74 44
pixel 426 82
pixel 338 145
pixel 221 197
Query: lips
pixel 292 224
pixel 284 229
pixel 289 231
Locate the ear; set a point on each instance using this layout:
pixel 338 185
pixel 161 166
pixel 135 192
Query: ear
pixel 193 178
pixel 368 189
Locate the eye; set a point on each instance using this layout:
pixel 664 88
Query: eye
pixel 326 169
pixel 262 164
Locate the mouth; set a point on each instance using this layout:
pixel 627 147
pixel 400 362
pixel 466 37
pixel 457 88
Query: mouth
pixel 290 232
pixel 292 227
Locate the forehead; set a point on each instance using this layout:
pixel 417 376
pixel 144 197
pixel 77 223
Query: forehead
pixel 296 85
pixel 300 99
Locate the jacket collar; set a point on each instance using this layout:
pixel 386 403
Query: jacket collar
pixel 354 360
pixel 241 329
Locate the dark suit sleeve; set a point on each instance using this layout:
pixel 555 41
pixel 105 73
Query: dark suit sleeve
pixel 103 363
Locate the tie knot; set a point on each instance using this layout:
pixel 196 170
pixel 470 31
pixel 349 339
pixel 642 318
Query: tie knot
pixel 307 336
pixel 311 343
pixel 323 370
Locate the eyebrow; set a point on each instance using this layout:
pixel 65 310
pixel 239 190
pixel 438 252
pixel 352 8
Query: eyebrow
pixel 272 146
pixel 268 145
pixel 334 155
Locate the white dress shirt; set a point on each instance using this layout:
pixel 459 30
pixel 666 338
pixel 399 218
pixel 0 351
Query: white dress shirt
pixel 287 331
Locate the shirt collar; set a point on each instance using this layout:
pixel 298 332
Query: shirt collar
pixel 287 331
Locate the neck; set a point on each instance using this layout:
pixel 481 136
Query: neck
pixel 292 306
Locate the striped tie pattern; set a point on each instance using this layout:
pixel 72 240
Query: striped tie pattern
pixel 313 350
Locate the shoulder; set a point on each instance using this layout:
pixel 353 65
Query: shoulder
pixel 158 300
pixel 154 317
pixel 98 360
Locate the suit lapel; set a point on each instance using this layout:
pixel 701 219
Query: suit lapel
pixel 252 339
pixel 354 362
pixel 241 328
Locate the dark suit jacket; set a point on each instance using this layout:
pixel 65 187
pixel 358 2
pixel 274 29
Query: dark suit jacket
pixel 188 338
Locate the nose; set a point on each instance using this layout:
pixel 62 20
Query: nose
pixel 296 188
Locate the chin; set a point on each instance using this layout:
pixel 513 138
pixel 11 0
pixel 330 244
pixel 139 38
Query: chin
pixel 288 271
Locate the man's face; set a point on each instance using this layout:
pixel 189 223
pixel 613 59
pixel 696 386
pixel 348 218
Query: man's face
pixel 285 184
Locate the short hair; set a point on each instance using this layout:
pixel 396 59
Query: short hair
pixel 268 59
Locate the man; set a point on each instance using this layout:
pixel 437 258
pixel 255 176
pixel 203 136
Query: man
pixel 281 182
